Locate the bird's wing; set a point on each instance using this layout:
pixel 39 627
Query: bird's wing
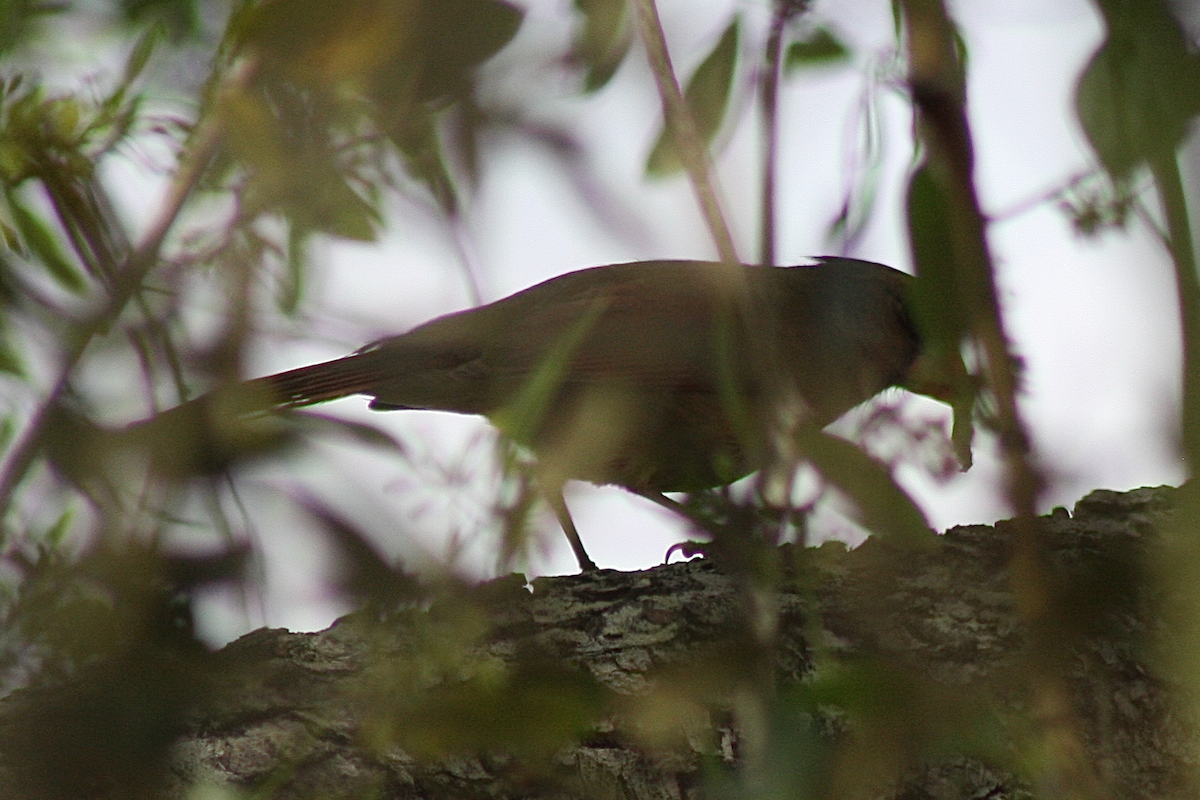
pixel 652 326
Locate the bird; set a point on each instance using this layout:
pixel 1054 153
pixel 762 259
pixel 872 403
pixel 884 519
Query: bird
pixel 656 376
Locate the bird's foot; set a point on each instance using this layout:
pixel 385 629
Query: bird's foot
pixel 687 549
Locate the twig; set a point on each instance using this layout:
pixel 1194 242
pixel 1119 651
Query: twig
pixel 769 97
pixel 682 126
pixel 1178 241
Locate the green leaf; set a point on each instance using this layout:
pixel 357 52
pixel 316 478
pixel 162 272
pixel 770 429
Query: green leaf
pixel 937 301
pixel 707 98
pixel 419 142
pixel 1141 89
pixel 343 213
pixel 10 363
pixel 819 49
pixel 43 244
pixel 361 433
pixel 603 41
pixel 56 536
pixel 7 429
pixel 143 48
pixel 291 288
pixel 455 37
pixel 522 417
pixel 883 507
pixel 180 18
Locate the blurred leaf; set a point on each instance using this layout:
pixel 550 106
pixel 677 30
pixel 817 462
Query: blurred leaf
pixel 367 576
pixel 1141 89
pixel 205 436
pixel 19 19
pixel 104 713
pixel 43 245
pixel 338 73
pixel 901 715
pixel 707 98
pixel 820 49
pixel 139 55
pixel 800 756
pixel 400 51
pixel 420 144
pixel 318 44
pixel 936 299
pixel 360 432
pixel 521 418
pixel 532 706
pixel 604 40
pixel 290 151
pixel 883 507
pixel 56 535
pixel 292 286
pixel 938 306
pixel 455 37
pixel 10 363
pixel 7 428
pixel 180 18
pixel 340 211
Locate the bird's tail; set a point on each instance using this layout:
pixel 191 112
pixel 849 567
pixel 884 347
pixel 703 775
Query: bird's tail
pixel 305 386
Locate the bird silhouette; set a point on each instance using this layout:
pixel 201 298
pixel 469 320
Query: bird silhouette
pixel 658 376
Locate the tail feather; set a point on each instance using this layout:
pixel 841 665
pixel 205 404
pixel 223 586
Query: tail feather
pixel 355 374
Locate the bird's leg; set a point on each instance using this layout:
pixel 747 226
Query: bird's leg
pixel 554 497
pixel 688 548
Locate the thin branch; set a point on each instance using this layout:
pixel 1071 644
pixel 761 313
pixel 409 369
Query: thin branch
pixel 1179 245
pixel 769 97
pixel 682 126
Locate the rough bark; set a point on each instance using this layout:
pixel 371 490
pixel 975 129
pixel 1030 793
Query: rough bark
pixel 645 675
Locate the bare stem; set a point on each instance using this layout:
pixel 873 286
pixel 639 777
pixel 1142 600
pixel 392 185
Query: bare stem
pixel 1179 244
pixel 769 97
pixel 683 128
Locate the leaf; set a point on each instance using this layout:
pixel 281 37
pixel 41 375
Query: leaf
pixel 43 244
pixel 291 288
pixel 883 507
pixel 531 705
pixel 318 44
pixel 341 212
pixel 937 303
pixel 143 48
pixel 707 98
pixel 180 18
pixel 1141 89
pixel 362 433
pixel 7 429
pixel 455 37
pixel 936 295
pixel 365 573
pixel 419 142
pixel 820 49
pixel 10 364
pixel 603 41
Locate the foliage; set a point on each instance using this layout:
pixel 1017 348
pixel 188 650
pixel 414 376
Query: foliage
pixel 313 119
